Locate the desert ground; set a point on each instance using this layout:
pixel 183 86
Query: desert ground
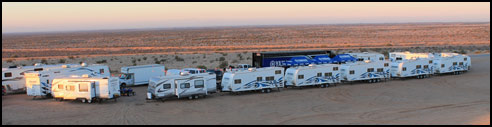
pixel 445 99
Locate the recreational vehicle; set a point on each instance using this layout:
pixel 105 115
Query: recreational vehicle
pixel 211 77
pixel 39 83
pixel 371 71
pixel 264 79
pixel 13 80
pixel 184 85
pixel 321 75
pixel 86 88
pixel 451 63
pixel 395 56
pixel 419 67
pixel 139 75
pixel 367 56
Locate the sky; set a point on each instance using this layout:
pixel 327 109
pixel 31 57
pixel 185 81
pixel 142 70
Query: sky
pixel 74 16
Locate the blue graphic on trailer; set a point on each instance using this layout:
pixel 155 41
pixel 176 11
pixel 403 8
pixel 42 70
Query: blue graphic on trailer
pixel 458 67
pixel 383 74
pixel 258 84
pixel 323 79
pixel 322 59
pixel 300 61
pixel 343 58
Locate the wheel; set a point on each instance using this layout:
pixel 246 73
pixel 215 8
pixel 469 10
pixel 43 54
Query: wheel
pixel 83 100
pixel 370 80
pixel 89 101
pixel 263 90
pixel 196 96
pixel 268 90
pixel 190 97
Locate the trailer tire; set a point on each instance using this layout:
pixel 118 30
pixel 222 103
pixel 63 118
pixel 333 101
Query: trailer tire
pixel 190 97
pixel 268 90
pixel 263 90
pixel 196 96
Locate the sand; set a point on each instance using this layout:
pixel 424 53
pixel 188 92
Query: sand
pixel 446 99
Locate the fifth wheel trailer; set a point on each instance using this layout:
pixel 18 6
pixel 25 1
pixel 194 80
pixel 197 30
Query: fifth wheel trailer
pixel 139 75
pixel 86 88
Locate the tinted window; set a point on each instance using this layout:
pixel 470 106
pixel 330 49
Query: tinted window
pixel 418 66
pixel 38 69
pixel 319 75
pixel 101 71
pixel 60 86
pixel 166 86
pixel 9 74
pixel 335 68
pixel 454 63
pixel 380 69
pixel 328 74
pixel 370 70
pixel 442 65
pixel 237 81
pixel 278 72
pixel 399 58
pixel 386 64
pixel 185 85
pixel 430 61
pixel 70 88
pixel 461 63
pixel 426 66
pixel 259 78
pixel 271 78
pixel 199 84
pixel 352 72
pixel 404 69
pixel 300 77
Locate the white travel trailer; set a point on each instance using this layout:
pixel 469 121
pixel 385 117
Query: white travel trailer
pixel 86 88
pixel 367 56
pixel 211 77
pixel 13 80
pixel 371 71
pixel 39 83
pixel 139 75
pixel 180 86
pixel 419 67
pixel 264 79
pixel 451 63
pixel 321 75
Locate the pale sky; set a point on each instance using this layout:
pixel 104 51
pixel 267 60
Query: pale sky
pixel 41 17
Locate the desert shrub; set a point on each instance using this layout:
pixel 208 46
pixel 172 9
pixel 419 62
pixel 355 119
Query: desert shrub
pixel 9 61
pixel 44 61
pixel 61 61
pixel 157 62
pixel 201 67
pixel 71 57
pixel 178 58
pixel 204 56
pixel 194 62
pixel 15 56
pixel 144 58
pixel 138 60
pixel 223 64
pixel 235 61
pixel 463 52
pixel 102 61
pixel 248 58
pixel 389 44
pixel 222 59
pixel 224 54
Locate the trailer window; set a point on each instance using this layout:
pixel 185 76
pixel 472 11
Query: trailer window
pixel 319 75
pixel 101 71
pixel 199 84
pixel 352 72
pixel 259 78
pixel 398 58
pixel 38 69
pixel 9 74
pixel 60 86
pixel 83 87
pixel 381 58
pixel 461 63
pixel 380 69
pixel 430 61
pixel 404 69
pixel 454 63
pixel 386 64
pixel 237 81
pixel 370 70
pixel 166 86
pixel 184 85
pixel 418 66
pixel 442 65
pixel 300 77
pixel 426 66
pixel 465 58
pixel 278 72
pixel 70 88
pixel 335 68
pixel 271 78
pixel 328 74
pixel 360 59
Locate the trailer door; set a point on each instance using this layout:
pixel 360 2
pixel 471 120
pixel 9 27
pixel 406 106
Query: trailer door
pixel 182 87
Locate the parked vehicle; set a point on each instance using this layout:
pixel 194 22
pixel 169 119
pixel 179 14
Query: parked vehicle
pixel 86 88
pixel 264 79
pixel 184 85
pixel 419 67
pixel 39 83
pixel 13 80
pixel 370 71
pixel 367 56
pixel 451 63
pixel 322 75
pixel 140 75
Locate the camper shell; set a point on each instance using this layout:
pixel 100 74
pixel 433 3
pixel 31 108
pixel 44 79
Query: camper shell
pixel 264 79
pixel 370 71
pixel 321 75
pixel 140 75
pixel 86 88
pixel 184 85
pixel 38 84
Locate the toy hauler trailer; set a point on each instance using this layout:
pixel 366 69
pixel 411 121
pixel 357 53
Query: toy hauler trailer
pixel 86 88
pixel 39 83
pixel 264 79
pixel 13 80
pixel 419 67
pixel 184 85
pixel 140 75
pixel 367 56
pixel 321 75
pixel 279 59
